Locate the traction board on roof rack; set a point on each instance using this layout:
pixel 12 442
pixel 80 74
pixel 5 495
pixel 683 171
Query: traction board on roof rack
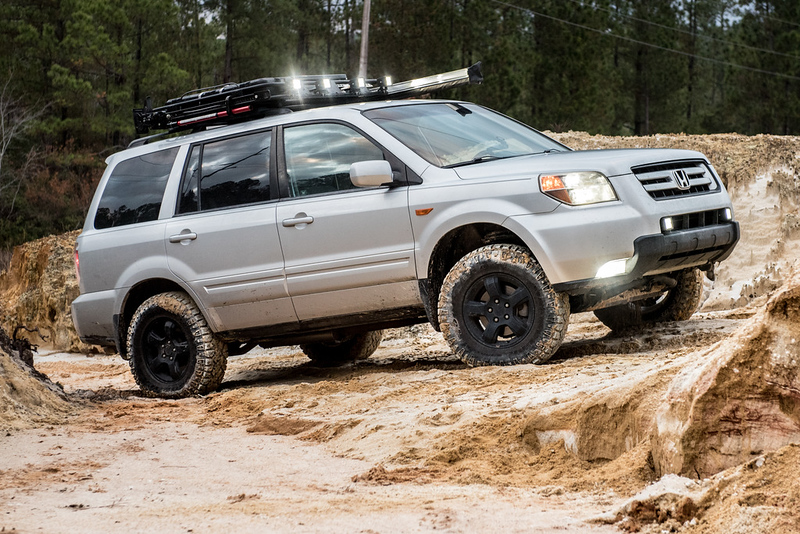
pixel 234 102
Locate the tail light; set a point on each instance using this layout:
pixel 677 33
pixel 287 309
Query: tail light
pixel 77 266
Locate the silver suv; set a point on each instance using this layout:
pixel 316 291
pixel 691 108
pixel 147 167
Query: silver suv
pixel 325 226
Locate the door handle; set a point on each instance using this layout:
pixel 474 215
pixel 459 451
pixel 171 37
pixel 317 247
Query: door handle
pixel 186 235
pixel 297 221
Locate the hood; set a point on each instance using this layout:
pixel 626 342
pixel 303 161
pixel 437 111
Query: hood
pixel 609 162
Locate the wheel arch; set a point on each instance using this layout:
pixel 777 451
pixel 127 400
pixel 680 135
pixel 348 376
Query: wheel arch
pixel 454 245
pixel 134 298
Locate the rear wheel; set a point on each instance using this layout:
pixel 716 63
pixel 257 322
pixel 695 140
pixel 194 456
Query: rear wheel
pixel 496 307
pixel 676 304
pixel 358 347
pixel 173 352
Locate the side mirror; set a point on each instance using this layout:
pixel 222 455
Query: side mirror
pixel 371 173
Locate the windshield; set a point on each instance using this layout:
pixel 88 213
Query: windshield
pixel 452 134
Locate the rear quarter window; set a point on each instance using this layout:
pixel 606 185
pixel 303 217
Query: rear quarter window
pixel 134 190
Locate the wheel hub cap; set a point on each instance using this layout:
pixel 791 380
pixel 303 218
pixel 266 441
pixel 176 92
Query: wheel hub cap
pixel 167 350
pixel 498 310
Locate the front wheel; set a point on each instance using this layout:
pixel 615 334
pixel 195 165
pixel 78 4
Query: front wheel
pixel 173 352
pixel 496 307
pixel 676 304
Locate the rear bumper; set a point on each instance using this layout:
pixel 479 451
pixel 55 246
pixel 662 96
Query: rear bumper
pixel 92 316
pixel 664 253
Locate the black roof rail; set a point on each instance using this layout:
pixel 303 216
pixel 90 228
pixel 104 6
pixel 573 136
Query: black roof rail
pixel 149 139
pixel 235 102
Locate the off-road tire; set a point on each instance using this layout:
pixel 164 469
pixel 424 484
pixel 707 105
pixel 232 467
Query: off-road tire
pixel 497 307
pixel 173 352
pixel 358 347
pixel 676 304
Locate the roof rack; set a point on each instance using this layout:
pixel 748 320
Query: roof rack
pixel 235 102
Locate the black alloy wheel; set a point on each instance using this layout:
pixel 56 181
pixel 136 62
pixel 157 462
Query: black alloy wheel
pixel 498 310
pixel 168 355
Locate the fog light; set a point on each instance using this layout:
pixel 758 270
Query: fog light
pixel 727 214
pixel 613 268
pixel 667 225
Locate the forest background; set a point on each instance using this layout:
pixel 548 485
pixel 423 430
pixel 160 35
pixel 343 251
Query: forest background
pixel 71 71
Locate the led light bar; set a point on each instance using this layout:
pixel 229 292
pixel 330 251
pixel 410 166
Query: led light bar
pixel 437 82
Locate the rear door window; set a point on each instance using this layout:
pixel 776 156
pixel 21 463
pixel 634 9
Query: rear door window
pixel 226 173
pixel 134 190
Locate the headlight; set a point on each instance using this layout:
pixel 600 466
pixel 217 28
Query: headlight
pixel 578 188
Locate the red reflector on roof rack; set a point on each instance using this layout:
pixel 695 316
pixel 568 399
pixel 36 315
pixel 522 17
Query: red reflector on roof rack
pixel 219 115
pixel 201 118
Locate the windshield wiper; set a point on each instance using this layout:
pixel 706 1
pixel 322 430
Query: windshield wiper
pixel 479 159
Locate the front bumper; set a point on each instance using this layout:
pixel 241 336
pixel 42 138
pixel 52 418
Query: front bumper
pixel 675 251
pixel 664 253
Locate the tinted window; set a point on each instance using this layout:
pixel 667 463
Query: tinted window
pixel 318 157
pixel 134 190
pixel 230 172
pixel 189 200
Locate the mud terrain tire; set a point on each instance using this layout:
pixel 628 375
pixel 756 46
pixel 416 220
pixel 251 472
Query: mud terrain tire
pixel 677 304
pixel 173 352
pixel 358 347
pixel 496 307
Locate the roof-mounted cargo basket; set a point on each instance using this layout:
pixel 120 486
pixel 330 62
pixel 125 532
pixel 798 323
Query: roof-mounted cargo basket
pixel 235 102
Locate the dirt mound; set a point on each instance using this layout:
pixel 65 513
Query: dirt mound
pixel 757 497
pixel 740 400
pixel 37 290
pixel 27 397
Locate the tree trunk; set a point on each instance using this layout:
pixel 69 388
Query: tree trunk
pixel 137 72
pixel 227 75
pixel 329 37
pixel 692 45
pixel 347 29
pixel 363 58
pixel 198 44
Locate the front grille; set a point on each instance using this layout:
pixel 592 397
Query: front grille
pixel 700 219
pixel 676 179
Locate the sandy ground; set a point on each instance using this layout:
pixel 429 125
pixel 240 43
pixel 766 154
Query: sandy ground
pixel 410 440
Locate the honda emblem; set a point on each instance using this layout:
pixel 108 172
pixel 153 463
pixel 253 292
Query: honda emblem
pixel 681 179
